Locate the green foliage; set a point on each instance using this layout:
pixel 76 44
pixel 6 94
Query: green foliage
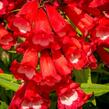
pixel 3 105
pixel 97 89
pixel 53 99
pixel 95 82
pixel 7 81
pixel 82 76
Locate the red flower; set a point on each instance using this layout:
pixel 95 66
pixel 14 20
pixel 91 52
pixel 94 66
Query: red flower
pixel 104 55
pixel 22 47
pixel 75 54
pixel 96 3
pixel 29 10
pixel 82 20
pixel 28 97
pixel 6 39
pixel 26 69
pixel 6 6
pixel 89 48
pixel 70 96
pixel 42 32
pixel 61 63
pixel 3 5
pixel 23 21
pixel 17 99
pixel 76 57
pixel 48 71
pixel 22 24
pixel 58 23
pixel 100 34
pixel 1 71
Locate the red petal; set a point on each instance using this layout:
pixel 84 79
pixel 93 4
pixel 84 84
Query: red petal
pixel 48 70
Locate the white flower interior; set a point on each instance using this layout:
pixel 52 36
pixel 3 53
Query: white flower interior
pixel 103 35
pixel 31 105
pixel 1 5
pixel 28 71
pixel 74 59
pixel 69 100
pixel 23 27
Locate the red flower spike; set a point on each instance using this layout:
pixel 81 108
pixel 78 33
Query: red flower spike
pixel 42 29
pixel 48 70
pixel 71 97
pixel 26 69
pixel 61 63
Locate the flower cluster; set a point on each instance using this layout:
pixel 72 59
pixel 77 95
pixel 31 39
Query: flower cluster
pixel 56 36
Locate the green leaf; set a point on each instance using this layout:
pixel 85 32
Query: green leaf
pixel 74 26
pixel 8 85
pixel 97 89
pixel 3 105
pixel 78 31
pixel 8 77
pixel 53 99
pixel 6 95
pixel 5 58
pixel 101 70
pixel 107 49
pixel 8 82
pixel 82 76
pixel 94 102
